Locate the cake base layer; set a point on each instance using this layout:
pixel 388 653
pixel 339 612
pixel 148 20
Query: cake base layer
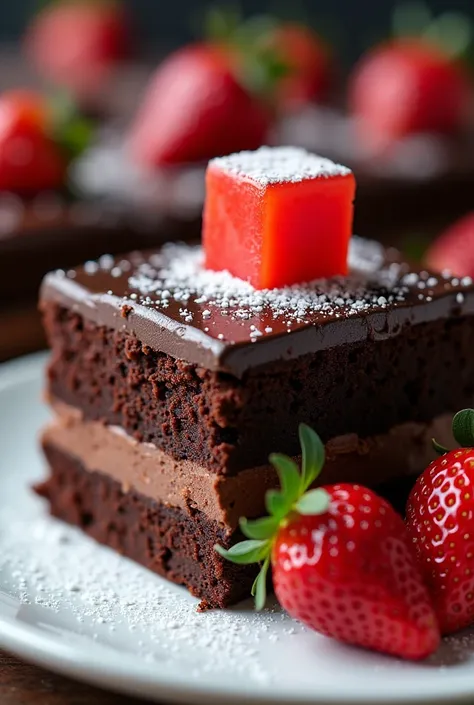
pixel 167 540
pixel 164 539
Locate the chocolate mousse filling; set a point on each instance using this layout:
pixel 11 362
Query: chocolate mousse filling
pixel 143 467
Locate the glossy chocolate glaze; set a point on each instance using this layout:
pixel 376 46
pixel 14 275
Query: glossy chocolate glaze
pixel 377 300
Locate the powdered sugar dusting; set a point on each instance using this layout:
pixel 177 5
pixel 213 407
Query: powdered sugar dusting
pixel 274 165
pixel 177 273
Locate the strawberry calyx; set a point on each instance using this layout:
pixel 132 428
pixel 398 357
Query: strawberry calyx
pixel 463 431
pixel 295 496
pixel 451 31
pixel 258 64
pixel 68 128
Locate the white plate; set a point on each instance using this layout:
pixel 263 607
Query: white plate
pixel 79 609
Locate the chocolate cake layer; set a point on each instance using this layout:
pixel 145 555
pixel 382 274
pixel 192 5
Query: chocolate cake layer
pixel 176 544
pixel 406 450
pixel 227 424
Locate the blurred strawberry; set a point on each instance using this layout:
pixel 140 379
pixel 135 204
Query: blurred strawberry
pixel 408 86
pixel 195 109
pixel 77 43
pixel 30 160
pixel 454 249
pixel 284 61
pixel 309 65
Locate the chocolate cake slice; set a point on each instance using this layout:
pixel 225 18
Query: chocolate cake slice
pixel 172 384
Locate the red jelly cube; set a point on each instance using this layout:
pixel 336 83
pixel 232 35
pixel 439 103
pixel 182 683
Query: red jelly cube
pixel 278 216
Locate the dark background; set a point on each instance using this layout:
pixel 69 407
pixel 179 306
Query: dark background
pixel 162 24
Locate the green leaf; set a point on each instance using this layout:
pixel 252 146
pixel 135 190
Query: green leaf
pixel 245 552
pixel 313 502
pixel 71 130
pixel 452 32
pixel 441 450
pixel 463 428
pixel 221 23
pixel 277 504
pixel 410 19
pixel 313 456
pixel 259 587
pixel 260 529
pixel 289 474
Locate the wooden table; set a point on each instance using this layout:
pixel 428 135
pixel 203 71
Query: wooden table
pixel 23 684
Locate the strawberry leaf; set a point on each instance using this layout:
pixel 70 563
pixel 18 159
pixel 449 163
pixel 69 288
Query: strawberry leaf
pixel 245 552
pixel 289 474
pixel 313 502
pixel 260 529
pixel 441 450
pixel 259 587
pixel 463 428
pixel 313 456
pixel 222 24
pixel 71 130
pixel 277 504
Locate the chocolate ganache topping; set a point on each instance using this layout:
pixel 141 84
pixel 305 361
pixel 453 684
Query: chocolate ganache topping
pixel 172 304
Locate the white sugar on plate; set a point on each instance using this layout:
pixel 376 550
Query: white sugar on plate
pixel 274 165
pixel 100 595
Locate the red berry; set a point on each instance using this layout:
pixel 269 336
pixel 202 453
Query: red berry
pixel 195 109
pixel 30 161
pixel 408 86
pixel 76 43
pixel 309 62
pixel 440 515
pixel 454 249
pixel 350 573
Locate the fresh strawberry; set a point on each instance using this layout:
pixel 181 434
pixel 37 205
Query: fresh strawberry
pixel 440 515
pixel 76 43
pixel 195 109
pixel 309 65
pixel 342 560
pixel 29 158
pixel 408 86
pixel 454 249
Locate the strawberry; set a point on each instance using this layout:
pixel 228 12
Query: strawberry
pixel 29 158
pixel 195 109
pixel 77 43
pixel 408 86
pixel 454 249
pixel 284 61
pixel 341 558
pixel 309 65
pixel 440 515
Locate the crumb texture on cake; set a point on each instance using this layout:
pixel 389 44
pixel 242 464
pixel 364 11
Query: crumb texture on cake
pixel 228 424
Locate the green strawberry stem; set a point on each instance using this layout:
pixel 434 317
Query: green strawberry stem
pixel 463 431
pixel 69 129
pixel 451 31
pixel 260 67
pixel 295 495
